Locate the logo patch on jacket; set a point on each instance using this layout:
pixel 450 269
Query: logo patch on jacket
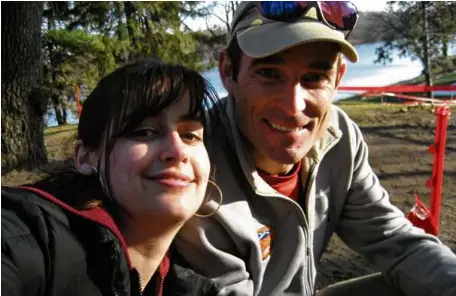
pixel 265 236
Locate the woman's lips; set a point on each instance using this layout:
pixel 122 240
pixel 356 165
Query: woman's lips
pixel 171 179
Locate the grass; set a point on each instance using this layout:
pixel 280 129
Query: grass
pixel 368 114
pixel 58 141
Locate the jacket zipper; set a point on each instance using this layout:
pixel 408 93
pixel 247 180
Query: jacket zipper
pixel 307 187
pixel 310 180
pixel 161 281
pixel 159 288
pixel 140 292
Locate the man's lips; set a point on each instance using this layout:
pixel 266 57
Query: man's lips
pixel 287 127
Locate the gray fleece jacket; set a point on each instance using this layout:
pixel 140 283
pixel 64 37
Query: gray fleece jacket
pixel 263 243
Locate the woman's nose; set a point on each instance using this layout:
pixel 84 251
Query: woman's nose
pixel 173 149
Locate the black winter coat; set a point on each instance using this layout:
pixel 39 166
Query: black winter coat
pixel 51 249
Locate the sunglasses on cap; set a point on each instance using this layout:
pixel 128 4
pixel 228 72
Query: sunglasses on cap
pixel 339 15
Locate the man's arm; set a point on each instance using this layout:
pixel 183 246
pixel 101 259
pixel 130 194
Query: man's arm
pixel 414 262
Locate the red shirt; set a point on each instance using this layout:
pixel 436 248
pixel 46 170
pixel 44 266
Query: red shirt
pixel 287 185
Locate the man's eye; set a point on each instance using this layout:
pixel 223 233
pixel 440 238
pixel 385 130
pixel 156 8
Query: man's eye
pixel 268 73
pixel 314 80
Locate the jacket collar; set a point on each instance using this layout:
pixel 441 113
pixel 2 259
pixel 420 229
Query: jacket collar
pixel 96 214
pixel 331 136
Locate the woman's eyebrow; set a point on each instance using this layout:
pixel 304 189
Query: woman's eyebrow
pixel 191 117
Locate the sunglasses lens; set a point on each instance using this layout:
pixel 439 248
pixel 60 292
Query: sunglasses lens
pixel 340 14
pixel 282 10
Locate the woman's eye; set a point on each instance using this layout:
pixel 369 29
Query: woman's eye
pixel 269 73
pixel 192 138
pixel 144 135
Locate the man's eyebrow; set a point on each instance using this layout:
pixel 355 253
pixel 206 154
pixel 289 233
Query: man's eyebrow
pixel 271 60
pixel 321 65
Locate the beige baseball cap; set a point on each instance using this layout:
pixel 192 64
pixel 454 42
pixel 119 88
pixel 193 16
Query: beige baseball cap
pixel 259 37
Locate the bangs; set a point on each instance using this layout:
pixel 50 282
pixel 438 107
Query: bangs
pixel 150 90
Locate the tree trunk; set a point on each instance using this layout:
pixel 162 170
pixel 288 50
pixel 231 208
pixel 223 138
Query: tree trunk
pixel 59 109
pixel 427 59
pixel 23 103
pixel 130 10
pixel 64 114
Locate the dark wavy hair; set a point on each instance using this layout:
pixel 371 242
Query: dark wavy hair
pixel 117 105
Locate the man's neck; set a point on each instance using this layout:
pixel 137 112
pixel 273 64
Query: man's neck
pixel 266 164
pixel 271 167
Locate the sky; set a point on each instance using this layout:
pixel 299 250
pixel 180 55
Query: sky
pixel 370 5
pixel 363 5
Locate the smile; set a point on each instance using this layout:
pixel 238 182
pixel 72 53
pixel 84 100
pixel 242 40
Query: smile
pixel 171 179
pixel 283 128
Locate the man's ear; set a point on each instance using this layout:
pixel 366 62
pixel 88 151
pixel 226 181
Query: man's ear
pixel 83 160
pixel 341 71
pixel 225 68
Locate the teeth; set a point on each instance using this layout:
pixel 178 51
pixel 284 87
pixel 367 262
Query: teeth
pixel 283 128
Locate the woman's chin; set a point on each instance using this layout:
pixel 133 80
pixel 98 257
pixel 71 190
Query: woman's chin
pixel 172 215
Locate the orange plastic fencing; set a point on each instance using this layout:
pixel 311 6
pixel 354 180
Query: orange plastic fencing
pixel 419 215
pixel 78 100
pixel 399 88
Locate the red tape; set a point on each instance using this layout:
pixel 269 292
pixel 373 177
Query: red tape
pixel 399 88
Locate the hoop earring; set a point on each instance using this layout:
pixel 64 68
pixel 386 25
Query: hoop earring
pixel 102 182
pixel 218 205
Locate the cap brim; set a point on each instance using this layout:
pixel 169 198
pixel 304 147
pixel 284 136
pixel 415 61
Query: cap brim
pixel 269 39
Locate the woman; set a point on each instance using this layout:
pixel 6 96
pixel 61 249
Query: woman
pixel 105 225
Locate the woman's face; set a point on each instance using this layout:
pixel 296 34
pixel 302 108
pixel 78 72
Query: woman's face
pixel 161 168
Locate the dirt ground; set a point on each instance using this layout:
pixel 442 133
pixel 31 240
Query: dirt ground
pixel 398 140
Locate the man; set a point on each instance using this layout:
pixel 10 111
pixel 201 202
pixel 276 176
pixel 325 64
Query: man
pixel 293 169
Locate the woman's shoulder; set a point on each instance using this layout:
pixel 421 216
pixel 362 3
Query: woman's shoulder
pixel 41 240
pixel 22 210
pixel 24 240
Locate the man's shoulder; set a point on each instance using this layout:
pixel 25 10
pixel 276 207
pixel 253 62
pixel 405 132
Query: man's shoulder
pixel 339 117
pixel 342 122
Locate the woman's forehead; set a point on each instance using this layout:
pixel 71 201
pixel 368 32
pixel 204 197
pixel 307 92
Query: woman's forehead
pixel 179 111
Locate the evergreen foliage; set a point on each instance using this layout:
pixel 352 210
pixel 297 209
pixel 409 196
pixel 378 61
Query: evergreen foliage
pixel 84 41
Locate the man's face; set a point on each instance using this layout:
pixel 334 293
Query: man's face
pixel 282 102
